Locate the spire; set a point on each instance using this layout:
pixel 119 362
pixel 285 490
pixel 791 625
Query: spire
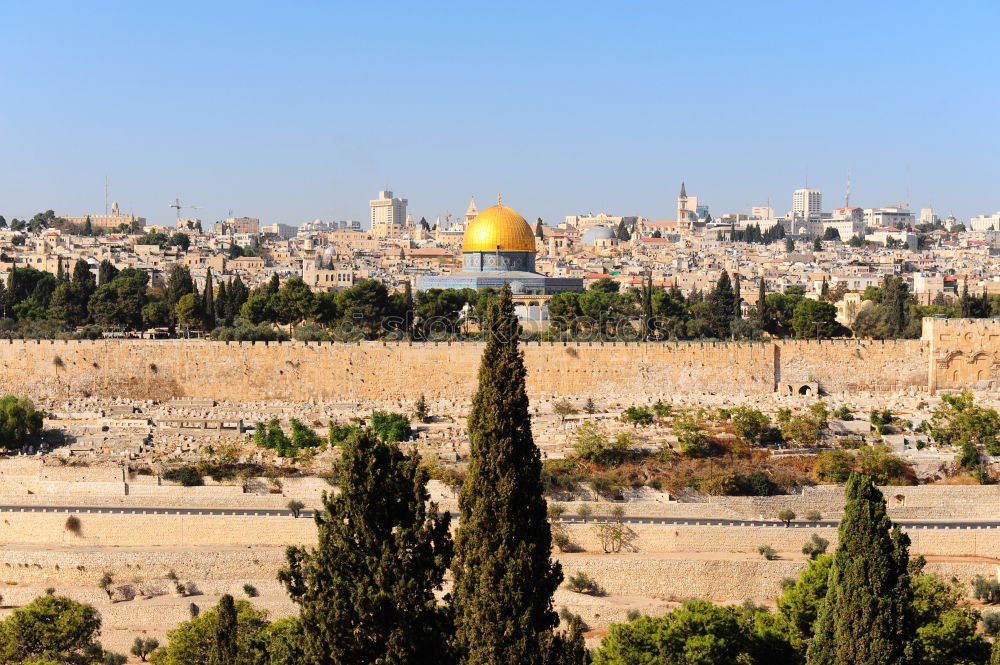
pixel 683 191
pixel 472 210
pixel 498 198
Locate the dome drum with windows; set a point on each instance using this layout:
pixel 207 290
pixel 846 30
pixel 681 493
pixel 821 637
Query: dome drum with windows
pixel 499 248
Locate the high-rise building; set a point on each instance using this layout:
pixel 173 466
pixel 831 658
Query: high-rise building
pixel 807 203
pixel 388 215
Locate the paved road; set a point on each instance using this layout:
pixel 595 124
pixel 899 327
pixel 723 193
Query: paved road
pixel 566 519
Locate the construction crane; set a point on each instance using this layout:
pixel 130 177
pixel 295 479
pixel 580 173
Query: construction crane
pixel 177 206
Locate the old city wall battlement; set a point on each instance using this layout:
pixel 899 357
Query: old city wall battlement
pixel 951 354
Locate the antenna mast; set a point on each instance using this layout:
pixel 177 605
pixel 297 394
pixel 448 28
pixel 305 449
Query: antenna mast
pixel 847 193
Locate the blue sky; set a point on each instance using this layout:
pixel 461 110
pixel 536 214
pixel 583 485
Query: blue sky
pixel 301 110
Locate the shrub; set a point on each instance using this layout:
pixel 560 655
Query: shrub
pixel 592 445
pixel 303 436
pixel 562 540
pixel 581 582
pixel 295 507
pixel 991 623
pixel 113 658
pixel 74 526
pixel 556 510
pixel 584 511
pixel 786 516
pixel 340 433
pixel 986 590
pixel 107 579
pixel 186 475
pixel 638 415
pixel 390 426
pixel 813 515
pixel 633 615
pixel 816 547
pixel 194 610
pixel 250 590
pixel 768 552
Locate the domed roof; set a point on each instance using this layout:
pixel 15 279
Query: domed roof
pixel 498 229
pixel 596 233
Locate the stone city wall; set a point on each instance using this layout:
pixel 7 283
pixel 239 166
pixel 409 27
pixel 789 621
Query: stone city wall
pixel 372 371
pixel 952 354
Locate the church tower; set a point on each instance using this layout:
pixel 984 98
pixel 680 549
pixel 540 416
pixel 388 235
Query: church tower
pixel 683 214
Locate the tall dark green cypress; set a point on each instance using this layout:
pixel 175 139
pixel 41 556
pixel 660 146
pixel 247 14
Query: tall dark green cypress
pixel 225 650
pixel 504 576
pixel 763 314
pixel 208 301
pixel 866 618
pixel 737 297
pixel 366 591
pixel 220 305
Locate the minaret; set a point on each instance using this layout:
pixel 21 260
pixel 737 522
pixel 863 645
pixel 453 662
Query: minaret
pixel 682 211
pixel 471 212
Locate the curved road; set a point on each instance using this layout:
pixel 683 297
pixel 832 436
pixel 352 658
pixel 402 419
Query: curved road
pixel 567 519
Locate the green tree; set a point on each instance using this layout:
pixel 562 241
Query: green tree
pixel 391 426
pixel 51 628
pixel 208 302
pixel 816 319
pixel 120 301
pixel 749 423
pixel 867 617
pixel 504 577
pixel 179 284
pixel 20 423
pixel 366 591
pixel 189 312
pixel 195 642
pixel 698 633
pixel 225 647
pixel 83 275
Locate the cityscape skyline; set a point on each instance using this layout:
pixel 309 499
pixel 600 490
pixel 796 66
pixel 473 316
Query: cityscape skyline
pixel 282 114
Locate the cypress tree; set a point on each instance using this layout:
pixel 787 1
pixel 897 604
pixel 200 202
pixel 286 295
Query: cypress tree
pixel 366 591
pixel 225 649
pixel 273 285
pixel 208 301
pixel 763 314
pixel 721 306
pixel 866 618
pixel 504 577
pixel 220 304
pixel 995 654
pixel 737 298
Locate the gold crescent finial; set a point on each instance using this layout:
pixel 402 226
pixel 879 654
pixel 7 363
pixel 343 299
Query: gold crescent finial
pixel 498 198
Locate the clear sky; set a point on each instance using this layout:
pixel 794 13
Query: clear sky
pixel 291 111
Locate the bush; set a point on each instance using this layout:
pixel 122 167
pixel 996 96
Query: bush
pixel 816 547
pixel 562 540
pixel 74 526
pixel 813 515
pixel 986 590
pixel 581 582
pixel 584 511
pixel 250 590
pixel 556 510
pixel 991 623
pixel 638 415
pixel 340 433
pixel 592 444
pixel 112 658
pixel 768 552
pixel 186 475
pixel 295 506
pixel 390 426
pixel 303 436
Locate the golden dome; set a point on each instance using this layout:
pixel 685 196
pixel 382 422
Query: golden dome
pixel 498 229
